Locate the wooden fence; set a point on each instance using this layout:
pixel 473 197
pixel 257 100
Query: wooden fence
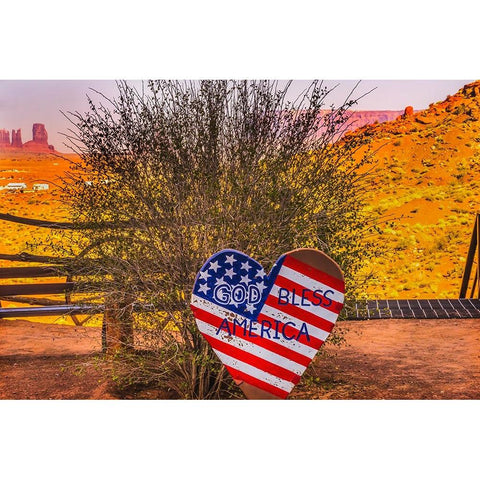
pixel 117 331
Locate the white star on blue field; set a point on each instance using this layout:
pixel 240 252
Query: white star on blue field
pixel 235 281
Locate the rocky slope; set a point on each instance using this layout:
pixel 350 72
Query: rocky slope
pixel 426 179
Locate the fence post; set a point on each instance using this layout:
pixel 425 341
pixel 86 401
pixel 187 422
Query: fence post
pixel 117 327
pixel 470 258
pixel 477 223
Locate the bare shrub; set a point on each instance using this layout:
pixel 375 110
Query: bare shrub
pixel 173 172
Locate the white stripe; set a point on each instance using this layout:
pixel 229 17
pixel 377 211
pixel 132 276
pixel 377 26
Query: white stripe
pixel 249 347
pixel 285 317
pixel 222 313
pixel 255 372
pixel 317 310
pixel 310 283
pixel 213 308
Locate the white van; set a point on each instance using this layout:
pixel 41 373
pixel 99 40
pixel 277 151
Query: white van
pixel 16 186
pixel 40 186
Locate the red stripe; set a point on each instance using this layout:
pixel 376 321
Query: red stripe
pixel 267 387
pixel 314 273
pixel 300 313
pixel 290 331
pixel 300 291
pixel 253 360
pixel 263 342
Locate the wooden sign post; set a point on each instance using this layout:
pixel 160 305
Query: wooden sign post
pixel 266 329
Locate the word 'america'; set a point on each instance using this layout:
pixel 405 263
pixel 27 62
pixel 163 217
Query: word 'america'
pixel 251 329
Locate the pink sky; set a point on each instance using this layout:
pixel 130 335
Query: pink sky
pixel 24 102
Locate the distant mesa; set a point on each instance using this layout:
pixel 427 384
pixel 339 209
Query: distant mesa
pixel 39 142
pixel 360 118
pixel 356 119
pixel 17 138
pixel 4 137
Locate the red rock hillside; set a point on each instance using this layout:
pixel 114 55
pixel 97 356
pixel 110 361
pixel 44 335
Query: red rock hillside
pixel 425 186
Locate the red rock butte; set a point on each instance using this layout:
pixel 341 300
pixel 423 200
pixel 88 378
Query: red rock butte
pixel 39 142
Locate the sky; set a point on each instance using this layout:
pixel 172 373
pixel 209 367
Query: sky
pixel 25 102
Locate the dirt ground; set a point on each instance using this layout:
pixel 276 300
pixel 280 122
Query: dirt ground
pixel 382 359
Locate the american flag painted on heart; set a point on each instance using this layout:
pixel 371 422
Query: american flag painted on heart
pixel 266 329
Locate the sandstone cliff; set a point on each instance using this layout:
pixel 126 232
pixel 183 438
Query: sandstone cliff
pixel 17 138
pixel 39 142
pixel 4 137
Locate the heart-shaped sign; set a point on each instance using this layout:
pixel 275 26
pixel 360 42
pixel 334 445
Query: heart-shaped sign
pixel 266 329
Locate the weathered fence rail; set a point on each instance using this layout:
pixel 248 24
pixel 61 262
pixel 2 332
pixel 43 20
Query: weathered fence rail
pixel 60 310
pixel 28 257
pixel 37 223
pixel 23 272
pixel 22 293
